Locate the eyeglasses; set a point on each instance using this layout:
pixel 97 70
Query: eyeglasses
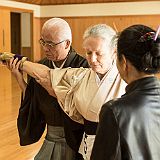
pixel 44 43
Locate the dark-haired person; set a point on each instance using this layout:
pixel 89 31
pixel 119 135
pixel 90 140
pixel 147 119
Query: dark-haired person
pixel 129 127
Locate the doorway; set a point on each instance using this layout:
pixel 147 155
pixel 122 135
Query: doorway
pixel 22 33
pixel 15 33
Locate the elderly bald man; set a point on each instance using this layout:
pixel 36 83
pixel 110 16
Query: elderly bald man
pixel 38 108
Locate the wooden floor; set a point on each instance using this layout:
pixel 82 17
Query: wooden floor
pixel 9 104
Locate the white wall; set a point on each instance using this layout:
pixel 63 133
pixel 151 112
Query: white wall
pixel 97 9
pixel 25 30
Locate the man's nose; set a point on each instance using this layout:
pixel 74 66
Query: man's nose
pixel 45 48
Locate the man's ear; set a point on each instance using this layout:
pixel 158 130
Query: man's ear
pixel 68 43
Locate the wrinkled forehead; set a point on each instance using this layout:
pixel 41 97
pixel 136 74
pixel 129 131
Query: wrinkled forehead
pixel 51 33
pixel 96 43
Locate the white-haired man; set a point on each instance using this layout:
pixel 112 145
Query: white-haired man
pixel 38 108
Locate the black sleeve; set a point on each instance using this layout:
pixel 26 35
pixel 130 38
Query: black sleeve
pixel 30 120
pixel 107 141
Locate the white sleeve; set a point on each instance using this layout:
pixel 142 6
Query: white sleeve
pixel 65 82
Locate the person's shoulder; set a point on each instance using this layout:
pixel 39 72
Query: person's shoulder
pixel 113 103
pixel 44 61
pixel 78 59
pixel 76 54
pixel 115 106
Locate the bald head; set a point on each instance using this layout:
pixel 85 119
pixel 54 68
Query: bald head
pixel 57 28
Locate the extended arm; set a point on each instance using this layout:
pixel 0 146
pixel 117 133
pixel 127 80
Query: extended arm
pixel 41 73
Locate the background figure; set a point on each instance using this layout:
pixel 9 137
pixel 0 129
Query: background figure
pixel 38 108
pixel 81 92
pixel 129 127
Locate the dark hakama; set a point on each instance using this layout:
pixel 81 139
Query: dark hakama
pixel 55 146
pixel 39 108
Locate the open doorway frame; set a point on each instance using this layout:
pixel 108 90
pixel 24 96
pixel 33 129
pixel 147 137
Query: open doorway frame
pixel 22 32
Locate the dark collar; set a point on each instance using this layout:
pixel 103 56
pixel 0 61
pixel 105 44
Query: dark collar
pixel 143 83
pixel 70 57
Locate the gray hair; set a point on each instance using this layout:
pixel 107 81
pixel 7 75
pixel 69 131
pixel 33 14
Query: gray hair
pixel 103 31
pixel 59 27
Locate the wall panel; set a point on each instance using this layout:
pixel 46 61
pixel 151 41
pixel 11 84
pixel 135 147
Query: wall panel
pixel 79 24
pixel 37 53
pixel 5 31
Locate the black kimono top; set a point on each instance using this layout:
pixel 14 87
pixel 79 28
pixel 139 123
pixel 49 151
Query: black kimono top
pixel 39 108
pixel 129 127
